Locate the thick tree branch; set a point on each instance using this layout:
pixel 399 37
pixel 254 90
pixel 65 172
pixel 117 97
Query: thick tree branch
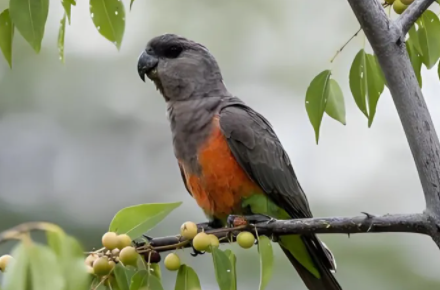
pixel 402 223
pixel 411 14
pixel 388 45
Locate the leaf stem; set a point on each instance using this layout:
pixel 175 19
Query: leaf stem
pixel 345 44
pixel 384 5
pixel 17 231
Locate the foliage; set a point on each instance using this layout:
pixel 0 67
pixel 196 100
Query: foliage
pixel 366 79
pixel 323 95
pixel 60 264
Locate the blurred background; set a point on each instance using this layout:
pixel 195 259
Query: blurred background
pixel 82 140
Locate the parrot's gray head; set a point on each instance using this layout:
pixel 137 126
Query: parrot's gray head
pixel 181 69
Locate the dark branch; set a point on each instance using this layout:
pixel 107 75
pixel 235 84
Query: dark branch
pixel 411 14
pixel 397 223
pixel 385 38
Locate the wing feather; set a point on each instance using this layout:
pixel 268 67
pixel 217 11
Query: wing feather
pixel 258 150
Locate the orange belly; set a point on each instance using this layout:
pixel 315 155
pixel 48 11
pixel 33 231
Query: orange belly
pixel 222 185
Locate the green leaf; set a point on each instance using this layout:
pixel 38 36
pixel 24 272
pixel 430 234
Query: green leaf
pixel 187 279
pixel 45 272
pixel 143 279
pixel 375 84
pixel 70 260
pixel 67 5
pixel 429 38
pixel 109 18
pixel 61 33
pixel 416 59
pixel 137 220
pixel 155 270
pixel 29 16
pixel 223 269
pixel 131 3
pixel 6 35
pixel 266 260
pixel 16 276
pixel 335 107
pixel 123 276
pixel 358 81
pixel 233 260
pixel 367 82
pixel 415 38
pixel 316 99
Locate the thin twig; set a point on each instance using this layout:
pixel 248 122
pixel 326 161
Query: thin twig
pixel 384 5
pixel 345 44
pixel 17 231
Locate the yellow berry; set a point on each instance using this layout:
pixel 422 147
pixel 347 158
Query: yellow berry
pixel 188 230
pixel 4 262
pixel 407 2
pixel 399 7
pixel 110 240
pixel 201 242
pixel 115 252
pixel 214 242
pixel 245 240
pixel 90 259
pixel 112 264
pixel 128 256
pixel 90 270
pixel 172 262
pixel 124 241
pixel 101 266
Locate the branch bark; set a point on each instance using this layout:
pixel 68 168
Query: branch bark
pixel 397 223
pixel 411 14
pixel 387 40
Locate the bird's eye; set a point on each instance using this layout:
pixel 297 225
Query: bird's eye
pixel 173 51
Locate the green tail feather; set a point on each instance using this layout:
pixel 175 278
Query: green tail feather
pixel 305 257
pixel 311 259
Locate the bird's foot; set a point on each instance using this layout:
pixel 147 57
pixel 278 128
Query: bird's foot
pixel 215 224
pixel 240 220
pixel 210 225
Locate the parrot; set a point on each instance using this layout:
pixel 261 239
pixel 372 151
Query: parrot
pixel 229 156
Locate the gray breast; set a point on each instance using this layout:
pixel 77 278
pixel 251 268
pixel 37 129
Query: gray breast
pixel 191 125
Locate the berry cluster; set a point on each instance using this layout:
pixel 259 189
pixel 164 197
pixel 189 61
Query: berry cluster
pixel 399 5
pixel 203 242
pixel 118 248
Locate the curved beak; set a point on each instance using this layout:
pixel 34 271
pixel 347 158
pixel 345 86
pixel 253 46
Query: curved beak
pixel 146 64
